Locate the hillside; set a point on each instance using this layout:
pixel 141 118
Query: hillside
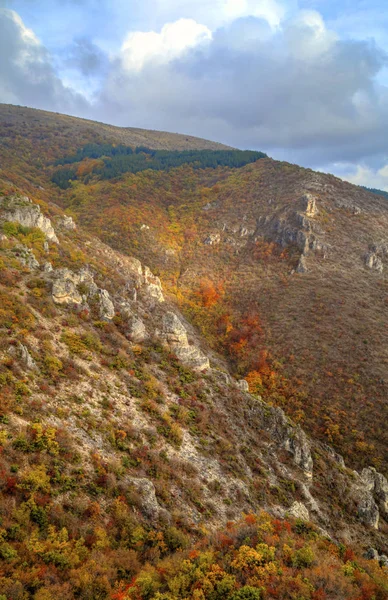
pixel 130 438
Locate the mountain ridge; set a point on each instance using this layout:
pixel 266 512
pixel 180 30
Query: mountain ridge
pixel 143 409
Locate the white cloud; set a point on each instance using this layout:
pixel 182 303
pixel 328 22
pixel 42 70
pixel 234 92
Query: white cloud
pixel 27 75
pixel 140 48
pixel 308 36
pixel 369 177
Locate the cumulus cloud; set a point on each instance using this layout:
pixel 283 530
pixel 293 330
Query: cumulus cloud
pixel 366 176
pixel 237 71
pixel 141 48
pixel 87 57
pixel 297 88
pixel 26 74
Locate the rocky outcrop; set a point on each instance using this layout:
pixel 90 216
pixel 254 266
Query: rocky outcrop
pixel 299 511
pixel 302 265
pixel 243 385
pixel 287 435
pixel 21 352
pixel 107 309
pixel 368 511
pixel 21 210
pixel 26 257
pixel 66 223
pixel 151 286
pixel 175 335
pixel 309 204
pixel 377 484
pixel 212 239
pixel 64 290
pixel 146 490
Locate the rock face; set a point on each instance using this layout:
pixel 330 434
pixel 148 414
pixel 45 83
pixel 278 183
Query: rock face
pixel 137 330
pixel 243 385
pixel 212 239
pixel 292 438
pixel 21 352
pixel 368 511
pixel 175 335
pixel 21 210
pixel 377 484
pixel 309 205
pixel 146 490
pixel 299 511
pixel 107 309
pixel 67 223
pixel 26 257
pixel 64 289
pixel 152 286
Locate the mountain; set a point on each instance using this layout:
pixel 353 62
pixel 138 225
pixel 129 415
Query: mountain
pixel 182 347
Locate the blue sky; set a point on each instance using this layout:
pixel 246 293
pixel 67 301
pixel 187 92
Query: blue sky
pixel 306 81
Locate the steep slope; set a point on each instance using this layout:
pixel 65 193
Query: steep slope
pixel 281 268
pixel 122 437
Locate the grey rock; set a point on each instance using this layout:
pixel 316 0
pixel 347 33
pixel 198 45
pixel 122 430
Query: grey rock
pixel 175 335
pixel 107 309
pixel 377 484
pixel 146 490
pixel 212 239
pixel 47 267
pixel 21 352
pixel 243 385
pixel 374 262
pixel 302 265
pixel 64 289
pixel 383 560
pixel 26 257
pixel 67 223
pixel 371 554
pixel 299 511
pixel 21 210
pixel 137 329
pixel 368 511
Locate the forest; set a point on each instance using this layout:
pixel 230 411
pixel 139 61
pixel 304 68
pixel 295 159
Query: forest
pixel 118 159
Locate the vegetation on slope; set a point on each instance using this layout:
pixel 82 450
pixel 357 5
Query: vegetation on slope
pixel 117 160
pixel 318 348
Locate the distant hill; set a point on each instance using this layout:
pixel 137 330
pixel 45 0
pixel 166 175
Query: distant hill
pixel 376 191
pixel 28 120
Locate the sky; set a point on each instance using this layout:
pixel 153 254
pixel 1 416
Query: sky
pixel 304 80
